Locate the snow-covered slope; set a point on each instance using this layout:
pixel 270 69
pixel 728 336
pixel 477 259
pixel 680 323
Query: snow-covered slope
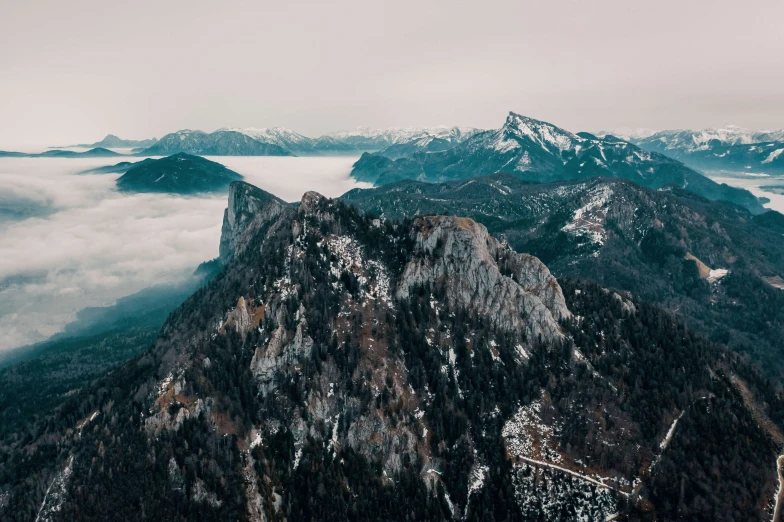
pixel 730 148
pixel 695 140
pixel 366 138
pixel 279 136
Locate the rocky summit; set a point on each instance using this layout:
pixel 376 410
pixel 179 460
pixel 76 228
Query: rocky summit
pixel 343 366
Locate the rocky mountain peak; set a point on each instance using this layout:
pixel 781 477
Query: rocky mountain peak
pixel 478 273
pixel 310 200
pixel 546 135
pixel 250 208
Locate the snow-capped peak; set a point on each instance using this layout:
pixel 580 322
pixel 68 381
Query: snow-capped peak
pixel 693 140
pixel 542 133
pixel 400 135
pixel 280 136
pixel 628 133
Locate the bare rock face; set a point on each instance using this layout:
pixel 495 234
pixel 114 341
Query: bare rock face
pixel 310 200
pixel 515 291
pixel 249 209
pixel 281 351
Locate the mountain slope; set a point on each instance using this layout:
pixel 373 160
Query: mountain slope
pixel 427 143
pixel 538 151
pixel 344 368
pixel 117 168
pixel 34 379
pixel 353 142
pixel 733 149
pixel 98 152
pixel 651 243
pixel 279 136
pixel 110 141
pixel 367 139
pixel 177 174
pixel 218 143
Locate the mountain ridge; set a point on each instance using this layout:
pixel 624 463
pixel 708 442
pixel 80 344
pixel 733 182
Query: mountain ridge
pixel 111 141
pixel 539 151
pixel 179 173
pixel 731 148
pixel 630 238
pixel 342 365
pixel 218 143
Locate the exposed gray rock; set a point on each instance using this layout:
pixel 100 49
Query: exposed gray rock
pixel 309 206
pixel 279 352
pixel 310 201
pixel 460 254
pixel 249 209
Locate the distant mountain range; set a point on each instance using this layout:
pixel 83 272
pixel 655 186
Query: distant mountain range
pixel 177 174
pixel 111 141
pixel 218 143
pixel 538 151
pixel 278 141
pixel 98 152
pixel 731 149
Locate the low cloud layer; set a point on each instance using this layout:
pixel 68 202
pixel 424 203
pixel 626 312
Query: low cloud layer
pixel 89 245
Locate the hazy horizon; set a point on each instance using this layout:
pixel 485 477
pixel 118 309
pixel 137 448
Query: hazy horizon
pixel 75 72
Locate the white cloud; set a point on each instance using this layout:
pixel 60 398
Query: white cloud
pixel 100 244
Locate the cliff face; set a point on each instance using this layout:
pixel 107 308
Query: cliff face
pixel 249 210
pixel 514 291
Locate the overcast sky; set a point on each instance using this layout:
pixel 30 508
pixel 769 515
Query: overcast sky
pixel 74 71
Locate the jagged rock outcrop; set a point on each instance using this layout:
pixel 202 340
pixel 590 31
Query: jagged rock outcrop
pixel 278 353
pixel 459 254
pixel 249 209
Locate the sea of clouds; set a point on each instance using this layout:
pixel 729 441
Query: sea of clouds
pixel 70 240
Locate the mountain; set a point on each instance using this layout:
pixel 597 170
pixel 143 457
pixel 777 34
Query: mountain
pixel 341 367
pixel 120 168
pixel 710 262
pixel 538 151
pixel 425 144
pixel 692 140
pixel 731 148
pixel 98 152
pixel 295 142
pixel 34 379
pixel 178 174
pixel 113 142
pixel 352 142
pixel 628 133
pixel 218 143
pixel 367 139
pixel 772 220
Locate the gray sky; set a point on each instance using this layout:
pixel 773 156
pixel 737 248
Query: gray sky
pixel 74 71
